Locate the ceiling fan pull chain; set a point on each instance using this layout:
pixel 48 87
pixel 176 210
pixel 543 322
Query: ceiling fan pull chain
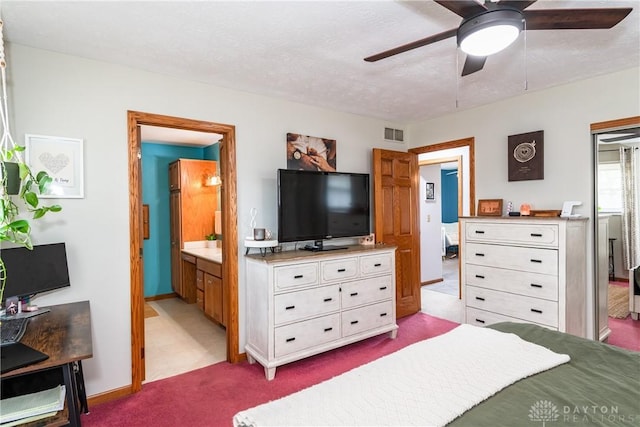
pixel 457 76
pixel 526 75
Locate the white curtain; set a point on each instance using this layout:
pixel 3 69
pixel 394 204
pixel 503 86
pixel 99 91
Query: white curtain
pixel 630 161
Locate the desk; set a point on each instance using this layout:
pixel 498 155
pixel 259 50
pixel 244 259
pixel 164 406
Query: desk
pixel 64 334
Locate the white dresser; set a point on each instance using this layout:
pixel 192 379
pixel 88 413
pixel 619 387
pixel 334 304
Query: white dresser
pixel 525 270
pixel 301 303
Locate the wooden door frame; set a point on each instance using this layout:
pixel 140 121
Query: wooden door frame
pixel 229 229
pixel 458 143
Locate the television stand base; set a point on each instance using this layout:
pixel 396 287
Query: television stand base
pixel 319 247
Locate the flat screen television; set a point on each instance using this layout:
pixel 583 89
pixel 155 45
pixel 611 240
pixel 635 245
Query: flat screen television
pixel 33 271
pixel 322 205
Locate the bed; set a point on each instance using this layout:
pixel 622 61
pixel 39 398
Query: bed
pixel 580 382
pixel 450 239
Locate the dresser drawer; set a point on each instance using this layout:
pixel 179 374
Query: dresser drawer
pixel 296 276
pixel 517 282
pixel 293 306
pixel 534 260
pixel 483 318
pixel 376 264
pixel 340 269
pixel 513 233
pixel 519 306
pixel 303 335
pixel 366 291
pixel 366 318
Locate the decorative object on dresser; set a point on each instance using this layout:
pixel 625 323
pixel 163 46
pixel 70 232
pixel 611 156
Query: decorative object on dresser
pixel 526 156
pixel 548 212
pixel 490 207
pixel 529 270
pixel 301 303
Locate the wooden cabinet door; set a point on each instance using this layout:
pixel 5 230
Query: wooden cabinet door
pixel 213 297
pixel 176 246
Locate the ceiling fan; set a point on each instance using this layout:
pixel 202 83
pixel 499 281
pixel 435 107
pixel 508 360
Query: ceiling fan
pixel 490 27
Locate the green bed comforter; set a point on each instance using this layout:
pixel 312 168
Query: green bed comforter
pixel 600 386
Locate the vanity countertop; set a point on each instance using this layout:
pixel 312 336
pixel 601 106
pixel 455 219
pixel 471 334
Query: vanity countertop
pixel 200 250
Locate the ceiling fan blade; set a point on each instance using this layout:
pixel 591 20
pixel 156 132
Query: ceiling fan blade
pixel 574 19
pixel 412 45
pixel 463 8
pixel 517 4
pixel 473 64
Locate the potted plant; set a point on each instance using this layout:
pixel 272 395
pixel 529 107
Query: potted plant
pixel 211 240
pixel 20 187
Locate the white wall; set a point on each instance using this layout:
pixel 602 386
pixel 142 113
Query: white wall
pixel 565 114
pixel 430 222
pixel 59 95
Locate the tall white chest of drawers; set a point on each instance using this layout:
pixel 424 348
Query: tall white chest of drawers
pixel 525 270
pixel 302 303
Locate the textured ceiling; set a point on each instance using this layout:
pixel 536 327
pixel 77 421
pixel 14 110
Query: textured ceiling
pixel 312 51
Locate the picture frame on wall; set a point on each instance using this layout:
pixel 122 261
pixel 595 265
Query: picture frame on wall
pixel 430 192
pixel 62 158
pixel 525 153
pixel 490 207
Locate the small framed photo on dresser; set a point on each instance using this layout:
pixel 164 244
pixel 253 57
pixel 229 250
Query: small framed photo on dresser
pixel 490 207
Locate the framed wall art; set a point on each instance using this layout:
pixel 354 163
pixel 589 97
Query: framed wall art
pixel 311 153
pixel 490 207
pixel 431 192
pixel 526 156
pixel 62 158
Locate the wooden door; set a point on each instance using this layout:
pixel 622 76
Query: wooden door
pixel 176 246
pixel 395 178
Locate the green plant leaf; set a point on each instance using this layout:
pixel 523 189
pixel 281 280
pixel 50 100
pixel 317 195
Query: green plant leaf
pixel 31 198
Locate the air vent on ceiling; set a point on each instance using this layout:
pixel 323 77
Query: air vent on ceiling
pixel 394 134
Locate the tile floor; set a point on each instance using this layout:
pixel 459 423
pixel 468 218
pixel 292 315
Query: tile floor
pixel 180 339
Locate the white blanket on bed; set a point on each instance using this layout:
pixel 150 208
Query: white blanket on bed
pixel 429 383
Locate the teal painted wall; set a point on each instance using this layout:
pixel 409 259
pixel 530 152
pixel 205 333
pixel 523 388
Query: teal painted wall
pixel 155 193
pixel 449 188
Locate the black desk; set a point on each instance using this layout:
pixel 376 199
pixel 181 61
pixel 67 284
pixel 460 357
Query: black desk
pixel 64 334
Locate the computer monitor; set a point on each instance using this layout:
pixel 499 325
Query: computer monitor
pixel 33 271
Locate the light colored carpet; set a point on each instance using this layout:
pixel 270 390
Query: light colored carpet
pixel 618 301
pixel 149 311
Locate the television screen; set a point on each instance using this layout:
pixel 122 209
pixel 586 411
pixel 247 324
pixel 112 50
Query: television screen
pixel 40 269
pixel 322 205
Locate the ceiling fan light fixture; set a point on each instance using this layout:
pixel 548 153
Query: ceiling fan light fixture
pixel 490 32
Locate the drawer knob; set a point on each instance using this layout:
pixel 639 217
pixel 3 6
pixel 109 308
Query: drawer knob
pixel 342 270
pixel 377 265
pixel 353 322
pixel 383 314
pixel 535 310
pixel 479 254
pixel 291 339
pixel 479 276
pixel 298 276
pixel 536 235
pixel 290 307
pixel 353 294
pixel 535 285
pixel 479 232
pixel 480 321
pixel 537 261
pixel 328 329
pixel 382 288
pixel 328 299
pixel 480 298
